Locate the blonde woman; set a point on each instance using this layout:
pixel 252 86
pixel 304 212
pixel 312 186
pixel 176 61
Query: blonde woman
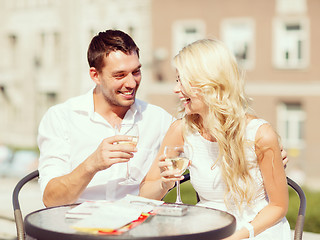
pixel 236 165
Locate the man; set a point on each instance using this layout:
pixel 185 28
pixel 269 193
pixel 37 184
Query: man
pixel 78 157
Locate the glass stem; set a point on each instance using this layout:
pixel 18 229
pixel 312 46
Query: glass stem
pixel 128 173
pixel 178 200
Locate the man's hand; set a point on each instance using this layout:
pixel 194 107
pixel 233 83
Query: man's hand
pixel 284 156
pixel 110 152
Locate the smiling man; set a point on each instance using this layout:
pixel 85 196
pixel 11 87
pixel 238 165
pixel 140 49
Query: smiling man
pixel 78 158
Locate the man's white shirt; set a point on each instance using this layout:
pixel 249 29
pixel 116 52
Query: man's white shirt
pixel 72 131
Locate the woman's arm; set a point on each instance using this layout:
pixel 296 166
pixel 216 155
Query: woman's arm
pixel 159 180
pixel 274 178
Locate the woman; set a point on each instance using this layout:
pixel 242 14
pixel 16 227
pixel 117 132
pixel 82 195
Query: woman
pixel 236 165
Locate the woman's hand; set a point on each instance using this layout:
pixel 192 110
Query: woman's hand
pixel 168 177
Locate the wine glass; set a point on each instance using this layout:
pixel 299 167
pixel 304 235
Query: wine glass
pixel 178 156
pixel 133 131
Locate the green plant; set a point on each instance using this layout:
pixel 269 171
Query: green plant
pixel 312 218
pixel 188 195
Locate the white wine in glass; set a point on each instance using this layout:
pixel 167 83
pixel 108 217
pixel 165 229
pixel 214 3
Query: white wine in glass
pixel 178 156
pixel 178 163
pixel 133 131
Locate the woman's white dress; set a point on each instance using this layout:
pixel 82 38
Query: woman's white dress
pixel 208 183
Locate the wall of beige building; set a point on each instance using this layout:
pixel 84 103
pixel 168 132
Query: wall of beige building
pixel 214 12
pixel 268 84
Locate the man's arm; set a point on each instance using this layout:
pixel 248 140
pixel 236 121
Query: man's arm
pixel 66 189
pixel 59 181
pixel 284 156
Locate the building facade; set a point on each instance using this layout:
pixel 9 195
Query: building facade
pixel 43 46
pixel 275 41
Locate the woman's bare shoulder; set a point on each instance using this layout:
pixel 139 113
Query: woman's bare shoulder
pixel 266 135
pixel 174 133
pixel 176 125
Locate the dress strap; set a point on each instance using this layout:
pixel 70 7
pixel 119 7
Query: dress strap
pixel 253 127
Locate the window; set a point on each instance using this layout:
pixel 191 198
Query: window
pixel 48 53
pixel 57 47
pixel 186 32
pixel 291 6
pixel 13 45
pixel 238 34
pixel 291 118
pixel 51 98
pixel 291 43
pixel 131 31
pixel 3 92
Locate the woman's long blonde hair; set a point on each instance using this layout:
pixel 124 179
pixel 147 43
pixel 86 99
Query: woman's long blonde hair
pixel 209 68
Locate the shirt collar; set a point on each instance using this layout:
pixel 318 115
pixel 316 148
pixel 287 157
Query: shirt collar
pixel 132 112
pixel 84 103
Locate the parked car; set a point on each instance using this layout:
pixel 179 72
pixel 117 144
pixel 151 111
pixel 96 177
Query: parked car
pixel 21 163
pixel 6 155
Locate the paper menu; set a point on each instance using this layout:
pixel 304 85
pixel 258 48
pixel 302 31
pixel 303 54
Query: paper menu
pixel 85 209
pixel 110 216
pixel 145 205
pixel 97 216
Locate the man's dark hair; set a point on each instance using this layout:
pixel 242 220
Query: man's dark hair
pixel 105 42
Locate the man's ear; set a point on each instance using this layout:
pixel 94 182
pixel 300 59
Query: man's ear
pixel 94 74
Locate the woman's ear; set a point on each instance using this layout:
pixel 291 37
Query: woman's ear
pixel 94 74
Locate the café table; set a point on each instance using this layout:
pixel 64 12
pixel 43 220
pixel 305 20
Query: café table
pixel 198 223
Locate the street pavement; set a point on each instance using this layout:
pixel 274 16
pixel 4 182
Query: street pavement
pixel 30 200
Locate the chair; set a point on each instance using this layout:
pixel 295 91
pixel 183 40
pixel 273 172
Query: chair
pixel 16 206
pixel 298 230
